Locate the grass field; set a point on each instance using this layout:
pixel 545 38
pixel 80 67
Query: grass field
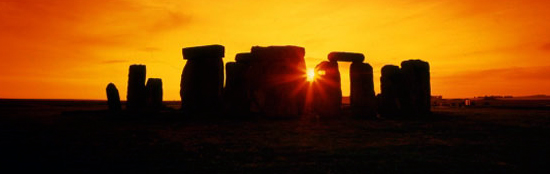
pixel 81 137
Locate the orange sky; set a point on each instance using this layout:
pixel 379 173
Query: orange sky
pixel 71 49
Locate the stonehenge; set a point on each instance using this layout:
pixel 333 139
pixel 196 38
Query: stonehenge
pixel 202 79
pixel 113 99
pixel 136 95
pixel 154 93
pixel 271 81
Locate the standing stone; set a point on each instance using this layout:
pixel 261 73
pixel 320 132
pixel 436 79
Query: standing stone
pixel 154 93
pixel 417 97
pixel 236 92
pixel 391 86
pixel 202 79
pixel 113 99
pixel 250 79
pixel 254 76
pixel 278 80
pixel 327 91
pixel 244 58
pixel 362 98
pixel 136 96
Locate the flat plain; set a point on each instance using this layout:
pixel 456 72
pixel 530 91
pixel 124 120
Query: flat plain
pixel 83 137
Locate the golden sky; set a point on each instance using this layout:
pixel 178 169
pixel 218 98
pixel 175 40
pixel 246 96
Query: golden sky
pixel 71 49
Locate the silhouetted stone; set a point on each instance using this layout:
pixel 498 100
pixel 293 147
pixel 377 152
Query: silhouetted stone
pixel 327 92
pixel 417 97
pixel 345 57
pixel 136 95
pixel 391 87
pixel 235 93
pixel 278 81
pixel 362 99
pixel 113 99
pixel 244 58
pixel 201 52
pixel 154 93
pixel 202 79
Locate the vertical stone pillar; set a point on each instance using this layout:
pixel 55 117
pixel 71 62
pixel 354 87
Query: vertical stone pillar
pixel 136 94
pixel 113 98
pixel 391 86
pixel 417 97
pixel 362 98
pixel 235 95
pixel 202 79
pixel 327 91
pixel 279 80
pixel 154 93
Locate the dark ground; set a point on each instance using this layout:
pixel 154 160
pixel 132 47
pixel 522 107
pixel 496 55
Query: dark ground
pixel 81 137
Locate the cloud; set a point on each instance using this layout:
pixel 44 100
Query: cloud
pixel 150 49
pixel 169 21
pixel 72 33
pixel 104 22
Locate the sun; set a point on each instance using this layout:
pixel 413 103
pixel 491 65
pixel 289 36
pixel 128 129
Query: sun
pixel 310 75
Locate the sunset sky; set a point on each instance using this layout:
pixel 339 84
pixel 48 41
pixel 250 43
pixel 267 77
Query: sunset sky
pixel 71 49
